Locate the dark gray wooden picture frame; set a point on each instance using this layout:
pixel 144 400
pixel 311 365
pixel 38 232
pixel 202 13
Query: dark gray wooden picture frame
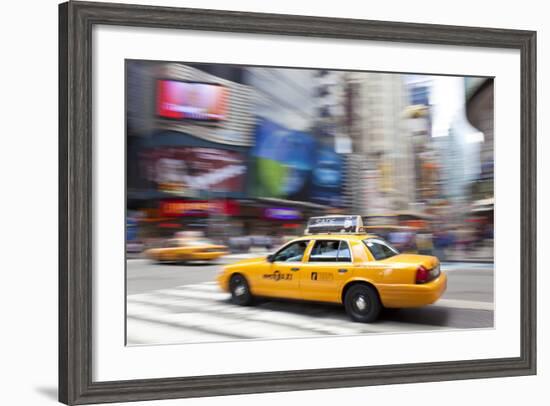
pixel 76 20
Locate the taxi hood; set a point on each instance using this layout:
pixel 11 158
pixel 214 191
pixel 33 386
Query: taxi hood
pixel 250 260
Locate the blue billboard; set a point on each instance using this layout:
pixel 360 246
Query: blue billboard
pixel 290 164
pixel 328 178
pixel 282 161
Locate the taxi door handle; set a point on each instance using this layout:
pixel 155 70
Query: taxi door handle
pixel 294 269
pixel 342 270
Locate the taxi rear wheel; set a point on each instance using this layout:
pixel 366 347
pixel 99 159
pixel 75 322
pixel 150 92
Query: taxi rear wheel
pixel 362 303
pixel 240 291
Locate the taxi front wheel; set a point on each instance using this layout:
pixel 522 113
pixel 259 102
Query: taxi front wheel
pixel 362 303
pixel 240 291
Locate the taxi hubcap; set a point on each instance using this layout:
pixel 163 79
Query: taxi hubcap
pixel 360 303
pixel 240 290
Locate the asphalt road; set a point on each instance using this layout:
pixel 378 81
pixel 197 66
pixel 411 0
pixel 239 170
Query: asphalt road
pixel 174 303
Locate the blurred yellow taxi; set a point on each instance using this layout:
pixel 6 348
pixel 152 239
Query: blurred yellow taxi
pixel 187 249
pixel 337 262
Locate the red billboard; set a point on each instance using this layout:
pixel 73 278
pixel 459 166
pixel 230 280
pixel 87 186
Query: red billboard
pixel 198 208
pixel 192 171
pixel 191 100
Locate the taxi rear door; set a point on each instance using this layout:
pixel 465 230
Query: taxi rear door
pixel 324 271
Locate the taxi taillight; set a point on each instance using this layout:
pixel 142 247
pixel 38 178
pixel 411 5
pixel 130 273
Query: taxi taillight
pixel 422 275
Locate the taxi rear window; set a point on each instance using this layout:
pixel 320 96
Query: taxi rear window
pixel 380 249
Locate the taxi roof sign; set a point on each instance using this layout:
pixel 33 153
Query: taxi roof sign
pixel 334 224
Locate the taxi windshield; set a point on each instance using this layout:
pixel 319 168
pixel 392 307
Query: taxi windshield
pixel 198 242
pixel 380 249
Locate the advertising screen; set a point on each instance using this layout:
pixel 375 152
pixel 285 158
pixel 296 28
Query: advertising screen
pixel 334 224
pixel 194 171
pixel 191 100
pixel 282 213
pixel 328 178
pixel 283 160
pixel 198 208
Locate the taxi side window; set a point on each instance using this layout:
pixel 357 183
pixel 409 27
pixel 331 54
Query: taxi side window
pixel 170 244
pixel 330 251
pixel 344 254
pixel 292 253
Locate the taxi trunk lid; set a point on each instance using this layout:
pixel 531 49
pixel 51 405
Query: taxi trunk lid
pixel 427 261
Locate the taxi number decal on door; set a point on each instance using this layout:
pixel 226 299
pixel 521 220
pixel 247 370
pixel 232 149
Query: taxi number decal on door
pixel 321 276
pixel 278 276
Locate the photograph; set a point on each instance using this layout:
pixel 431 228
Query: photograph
pixel 273 202
pixel 255 202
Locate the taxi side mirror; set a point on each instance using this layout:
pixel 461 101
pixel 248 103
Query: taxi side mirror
pixel 269 258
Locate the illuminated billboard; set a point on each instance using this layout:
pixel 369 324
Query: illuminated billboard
pixel 195 171
pixel 328 178
pixel 191 100
pixel 282 161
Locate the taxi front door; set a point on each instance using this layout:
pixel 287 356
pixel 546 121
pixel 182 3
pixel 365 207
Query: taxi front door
pixel 282 277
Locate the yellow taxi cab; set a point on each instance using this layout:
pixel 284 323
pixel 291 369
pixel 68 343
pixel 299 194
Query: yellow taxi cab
pixel 337 262
pixel 187 249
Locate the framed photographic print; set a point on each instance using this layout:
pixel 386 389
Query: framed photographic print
pixel 259 202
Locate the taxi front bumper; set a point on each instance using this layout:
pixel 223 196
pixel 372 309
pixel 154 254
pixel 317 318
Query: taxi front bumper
pixel 223 281
pixel 412 295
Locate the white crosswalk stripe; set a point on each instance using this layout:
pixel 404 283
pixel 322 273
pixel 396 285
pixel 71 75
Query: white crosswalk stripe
pixel 203 313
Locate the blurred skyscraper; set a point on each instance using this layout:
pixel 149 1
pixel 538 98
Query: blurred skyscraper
pixel 382 138
pixel 284 96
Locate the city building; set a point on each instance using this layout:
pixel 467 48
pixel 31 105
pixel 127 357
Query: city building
pixel 189 130
pixel 381 137
pixel 480 112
